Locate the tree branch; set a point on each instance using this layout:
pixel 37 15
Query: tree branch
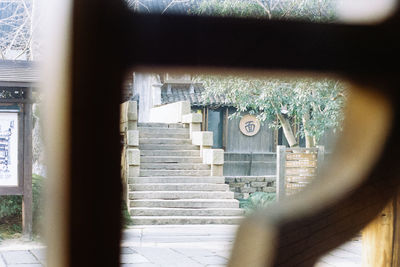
pixel 265 8
pixel 173 2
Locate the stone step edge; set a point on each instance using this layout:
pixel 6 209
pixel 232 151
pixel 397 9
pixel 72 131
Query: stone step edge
pixel 173 163
pixel 164 138
pixel 175 157
pixel 185 184
pixel 155 124
pixel 189 209
pixel 186 220
pixel 163 209
pixel 184 194
pixel 191 217
pixel 174 151
pixel 178 179
pixel 201 172
pixel 187 200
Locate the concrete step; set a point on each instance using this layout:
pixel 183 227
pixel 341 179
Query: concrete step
pixel 162 220
pixel 166 141
pixel 150 173
pixel 154 134
pixel 166 159
pixel 185 203
pixel 171 153
pixel 154 130
pixel 179 195
pixel 167 147
pixel 185 212
pixel 160 125
pixel 174 166
pixel 177 179
pixel 178 187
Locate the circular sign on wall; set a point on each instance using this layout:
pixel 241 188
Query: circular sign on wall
pixel 249 125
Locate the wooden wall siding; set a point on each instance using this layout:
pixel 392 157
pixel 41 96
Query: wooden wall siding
pixel 249 164
pixel 143 87
pixel 263 141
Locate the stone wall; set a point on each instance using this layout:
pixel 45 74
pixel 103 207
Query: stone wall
pixel 243 186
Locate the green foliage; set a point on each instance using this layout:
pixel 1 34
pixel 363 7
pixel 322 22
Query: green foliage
pixel 38 204
pixel 321 99
pixel 312 104
pixel 10 206
pixel 10 216
pixel 126 217
pixel 257 200
pixel 11 210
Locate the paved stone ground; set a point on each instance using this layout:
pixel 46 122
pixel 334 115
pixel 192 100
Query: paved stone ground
pixel 170 246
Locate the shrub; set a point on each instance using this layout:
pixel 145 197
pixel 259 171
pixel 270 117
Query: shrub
pixel 257 200
pixel 126 217
pixel 11 209
pixel 10 206
pixel 38 204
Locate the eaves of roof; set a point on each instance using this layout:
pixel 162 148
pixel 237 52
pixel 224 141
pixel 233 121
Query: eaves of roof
pixel 18 73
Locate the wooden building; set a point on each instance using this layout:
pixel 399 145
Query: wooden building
pixel 244 155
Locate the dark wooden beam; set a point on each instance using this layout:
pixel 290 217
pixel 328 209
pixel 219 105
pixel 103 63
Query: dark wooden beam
pixel 27 200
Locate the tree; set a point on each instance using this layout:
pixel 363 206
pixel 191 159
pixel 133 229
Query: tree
pixel 302 107
pixel 312 104
pixel 19 27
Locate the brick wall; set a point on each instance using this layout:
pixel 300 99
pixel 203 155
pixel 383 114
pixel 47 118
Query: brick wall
pixel 243 186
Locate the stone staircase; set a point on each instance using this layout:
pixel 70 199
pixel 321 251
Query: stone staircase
pixel 174 186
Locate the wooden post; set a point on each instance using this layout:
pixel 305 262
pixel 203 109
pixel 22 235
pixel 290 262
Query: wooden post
pixel 381 237
pixel 280 172
pixel 27 168
pixel 320 157
pixel 225 129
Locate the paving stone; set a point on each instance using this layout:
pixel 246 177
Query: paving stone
pixel 40 254
pixel 18 257
pixel 140 265
pixel 133 258
pixel 340 262
pixel 126 250
pixel 194 252
pixel 167 257
pixel 26 265
pixel 2 263
pixel 206 260
pixel 223 253
pixel 322 264
pixel 343 254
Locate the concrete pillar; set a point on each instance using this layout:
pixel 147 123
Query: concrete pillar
pixel 194 120
pixel 215 158
pixel 131 155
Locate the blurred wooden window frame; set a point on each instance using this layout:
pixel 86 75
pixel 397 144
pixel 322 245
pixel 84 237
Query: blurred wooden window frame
pixel 97 42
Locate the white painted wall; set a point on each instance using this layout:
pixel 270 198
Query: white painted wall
pixel 144 86
pixel 170 113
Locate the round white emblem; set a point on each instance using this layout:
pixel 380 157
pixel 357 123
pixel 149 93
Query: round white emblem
pixel 249 125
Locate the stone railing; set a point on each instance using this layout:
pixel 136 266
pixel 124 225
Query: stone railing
pixel 204 139
pixel 130 160
pixel 179 112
